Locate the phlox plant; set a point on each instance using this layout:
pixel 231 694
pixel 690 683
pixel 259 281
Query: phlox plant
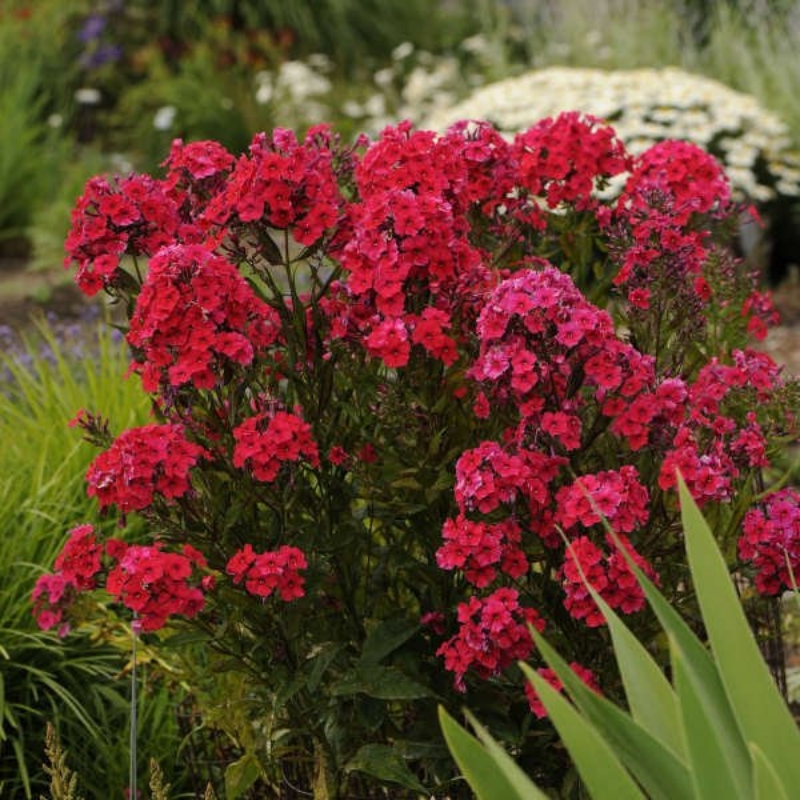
pixel 397 387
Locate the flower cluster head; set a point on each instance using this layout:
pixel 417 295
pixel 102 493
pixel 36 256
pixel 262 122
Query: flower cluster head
pixel 282 184
pixel 493 634
pixel 132 215
pixel 156 584
pixel 153 583
pixel 196 316
pixel 770 541
pixel 142 464
pixel 537 331
pixel 567 158
pixel 609 575
pixel 618 496
pixel 535 703
pixel 266 441
pixel 76 570
pixel 268 572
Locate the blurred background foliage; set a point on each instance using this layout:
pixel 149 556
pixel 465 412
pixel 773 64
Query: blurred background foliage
pixel 90 86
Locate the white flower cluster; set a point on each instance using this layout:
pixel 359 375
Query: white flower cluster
pixel 645 106
pixel 298 87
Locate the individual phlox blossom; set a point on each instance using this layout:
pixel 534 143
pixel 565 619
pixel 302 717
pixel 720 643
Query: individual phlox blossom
pixel 266 441
pixel 564 159
pixel 493 634
pixel 535 703
pixel 609 575
pixel 141 464
pixel 708 471
pixel 196 315
pixel 479 548
pixel 131 215
pixel 770 541
pixel 619 497
pixel 268 572
pixel 692 177
pixel 154 583
pixel 282 183
pixel 76 570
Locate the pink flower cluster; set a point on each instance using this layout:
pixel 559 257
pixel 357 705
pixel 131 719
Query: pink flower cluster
pixel 150 581
pixel 266 441
pixel 618 496
pixel 142 463
pixel 493 634
pixel 609 575
pixel 770 541
pixel 156 584
pixel 272 571
pixel 76 569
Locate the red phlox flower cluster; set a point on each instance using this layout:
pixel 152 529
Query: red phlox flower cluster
pixel 282 183
pixel 673 188
pixel 537 333
pixel 195 315
pixel 609 575
pixel 154 583
pixel 711 448
pixel 491 474
pixel 770 541
pixel 266 441
pixel 617 496
pixel 694 180
pixel 76 570
pixel 478 548
pixel 132 215
pixel 585 674
pixel 196 172
pixel 406 249
pixel 565 159
pixel 493 634
pixel 142 463
pixel 265 573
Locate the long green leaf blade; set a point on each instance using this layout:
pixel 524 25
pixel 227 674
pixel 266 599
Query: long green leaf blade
pixel 486 774
pixel 766 783
pixel 595 759
pixel 662 775
pixel 759 708
pixel 702 671
pixel 706 752
pixel 651 699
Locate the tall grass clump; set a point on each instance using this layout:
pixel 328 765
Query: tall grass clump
pixel 45 377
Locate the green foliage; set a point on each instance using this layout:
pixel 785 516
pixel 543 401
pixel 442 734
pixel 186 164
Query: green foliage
pixel 41 490
pixel 720 729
